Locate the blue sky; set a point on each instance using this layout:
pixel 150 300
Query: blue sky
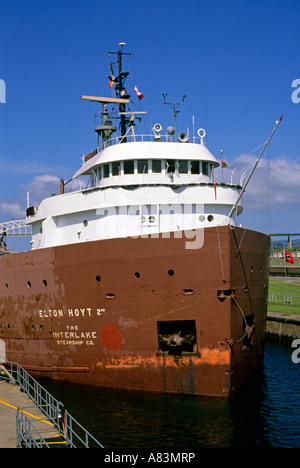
pixel 234 60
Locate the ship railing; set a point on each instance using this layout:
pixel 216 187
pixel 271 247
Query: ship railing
pixel 74 434
pixel 133 138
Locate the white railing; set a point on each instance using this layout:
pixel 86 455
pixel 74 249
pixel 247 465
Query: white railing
pixel 284 299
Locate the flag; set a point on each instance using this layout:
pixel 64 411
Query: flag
pixel 224 163
pixel 112 81
pixel 215 188
pixel 139 95
pixel 288 257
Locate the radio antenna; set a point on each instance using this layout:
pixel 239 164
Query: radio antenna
pixel 174 106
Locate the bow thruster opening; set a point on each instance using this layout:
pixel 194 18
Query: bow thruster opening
pixel 177 337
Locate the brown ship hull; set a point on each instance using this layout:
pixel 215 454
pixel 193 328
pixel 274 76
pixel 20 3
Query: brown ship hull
pixel 142 314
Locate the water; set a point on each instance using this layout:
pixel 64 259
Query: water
pixel 266 415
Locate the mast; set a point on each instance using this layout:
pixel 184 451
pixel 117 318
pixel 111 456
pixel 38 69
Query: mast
pixel 119 86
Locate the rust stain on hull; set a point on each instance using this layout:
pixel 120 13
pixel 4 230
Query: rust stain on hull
pixel 206 356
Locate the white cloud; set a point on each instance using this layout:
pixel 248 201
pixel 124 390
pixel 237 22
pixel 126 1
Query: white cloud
pixel 12 210
pixel 40 187
pixel 274 185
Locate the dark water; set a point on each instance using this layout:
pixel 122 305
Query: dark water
pixel 266 415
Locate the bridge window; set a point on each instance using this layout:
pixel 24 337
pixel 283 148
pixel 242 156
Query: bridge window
pixel 142 166
pixel 116 168
pixel 205 168
pixel 129 167
pixel 156 166
pixel 182 167
pixel 195 167
pixel 106 170
pixel 170 165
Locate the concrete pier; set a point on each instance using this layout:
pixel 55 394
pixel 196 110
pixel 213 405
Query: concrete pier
pixel 283 328
pixel 11 398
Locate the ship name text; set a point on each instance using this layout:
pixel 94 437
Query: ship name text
pixel 80 312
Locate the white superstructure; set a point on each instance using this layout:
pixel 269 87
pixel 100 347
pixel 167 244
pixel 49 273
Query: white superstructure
pixel 138 187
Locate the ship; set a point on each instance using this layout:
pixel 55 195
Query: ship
pixel 142 279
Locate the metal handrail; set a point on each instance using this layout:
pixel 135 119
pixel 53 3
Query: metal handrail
pixel 25 430
pixel 53 409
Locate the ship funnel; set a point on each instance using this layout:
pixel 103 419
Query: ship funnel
pixel 183 137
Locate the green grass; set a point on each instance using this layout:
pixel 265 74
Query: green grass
pixel 282 288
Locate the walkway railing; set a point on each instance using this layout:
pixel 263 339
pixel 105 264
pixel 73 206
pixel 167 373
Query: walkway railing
pixel 284 299
pixel 74 434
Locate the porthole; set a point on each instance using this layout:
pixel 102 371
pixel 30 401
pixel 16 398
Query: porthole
pixel 29 284
pixel 33 328
pixel 85 223
pixel 98 278
pixel 201 218
pixel 151 219
pixel 6 285
pixel 210 218
pixel 110 296
pixel 143 219
pixel 137 274
pixel 171 272
pixel 41 328
pixel 45 282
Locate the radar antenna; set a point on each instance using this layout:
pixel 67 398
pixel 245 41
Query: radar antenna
pixel 174 106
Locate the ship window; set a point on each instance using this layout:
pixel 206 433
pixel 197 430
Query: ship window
pixel 29 284
pixel 170 165
pixel 205 168
pixel 106 170
pixel 195 167
pixel 177 336
pixel 156 166
pixel 129 167
pixel 142 166
pixel 45 282
pixel 182 167
pixel 100 173
pixel 210 218
pixel 116 168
